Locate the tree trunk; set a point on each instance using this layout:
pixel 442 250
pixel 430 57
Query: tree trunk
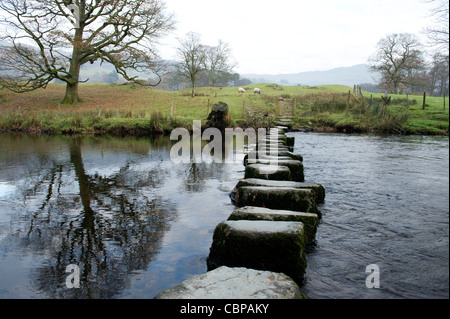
pixel 71 96
pixel 193 87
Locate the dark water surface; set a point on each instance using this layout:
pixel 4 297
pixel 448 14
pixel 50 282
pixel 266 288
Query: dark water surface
pixel 135 223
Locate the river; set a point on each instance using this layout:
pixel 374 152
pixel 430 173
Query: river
pixel 135 223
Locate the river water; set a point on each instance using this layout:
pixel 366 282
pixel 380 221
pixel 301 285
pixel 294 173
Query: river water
pixel 135 223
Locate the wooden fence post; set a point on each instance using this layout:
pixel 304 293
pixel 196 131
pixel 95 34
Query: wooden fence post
pixel 172 109
pixel 207 109
pixel 348 101
pixel 424 97
pixel 277 107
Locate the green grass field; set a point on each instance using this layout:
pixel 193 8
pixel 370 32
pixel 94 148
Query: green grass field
pixel 130 109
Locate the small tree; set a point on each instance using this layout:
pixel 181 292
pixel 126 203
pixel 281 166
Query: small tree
pixel 218 62
pixel 52 39
pixel 193 57
pixel 439 75
pixel 398 59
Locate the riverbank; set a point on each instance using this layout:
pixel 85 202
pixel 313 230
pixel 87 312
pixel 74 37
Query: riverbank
pixel 134 110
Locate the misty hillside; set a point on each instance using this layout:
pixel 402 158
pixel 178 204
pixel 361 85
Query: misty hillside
pixel 349 76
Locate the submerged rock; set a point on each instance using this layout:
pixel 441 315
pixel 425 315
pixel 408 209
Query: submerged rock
pixel 262 245
pixel 235 283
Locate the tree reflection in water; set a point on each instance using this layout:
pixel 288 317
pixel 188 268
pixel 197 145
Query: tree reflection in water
pixel 109 225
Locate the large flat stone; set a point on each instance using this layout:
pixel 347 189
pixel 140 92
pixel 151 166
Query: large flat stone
pixel 270 145
pixel 272 172
pixel 261 154
pixel 262 245
pixel 235 283
pixel 287 140
pixel 318 189
pixel 286 198
pixel 281 127
pixel 309 220
pixel 296 167
pixel 273 137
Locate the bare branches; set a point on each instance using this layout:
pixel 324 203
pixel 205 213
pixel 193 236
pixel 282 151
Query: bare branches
pixel 196 58
pixel 62 35
pixel 398 59
pixel 218 61
pixel 192 55
pixel 438 30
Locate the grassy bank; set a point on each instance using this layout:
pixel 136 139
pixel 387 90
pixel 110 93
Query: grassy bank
pixel 131 109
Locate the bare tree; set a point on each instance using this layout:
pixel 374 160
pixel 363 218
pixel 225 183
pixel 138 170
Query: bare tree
pixel 438 31
pixel 52 39
pixel 398 59
pixel 439 75
pixel 192 55
pixel 218 61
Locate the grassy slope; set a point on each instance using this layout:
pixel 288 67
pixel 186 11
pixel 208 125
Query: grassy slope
pixel 119 108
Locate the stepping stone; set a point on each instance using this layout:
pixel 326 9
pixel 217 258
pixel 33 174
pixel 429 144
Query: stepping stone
pixel 261 245
pixel 272 172
pixel 309 220
pixel 274 143
pixel 286 124
pixel 280 148
pixel 265 157
pixel 235 283
pixel 257 154
pixel 282 128
pixel 286 198
pixel 280 138
pixel 296 167
pixel 318 190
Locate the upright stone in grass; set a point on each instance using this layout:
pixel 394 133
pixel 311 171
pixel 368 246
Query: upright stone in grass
pixel 309 220
pixel 287 198
pixel 261 245
pixel 317 189
pixel 272 172
pixel 235 283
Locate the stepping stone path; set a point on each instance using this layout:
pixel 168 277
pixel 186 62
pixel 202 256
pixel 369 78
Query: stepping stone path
pixel 264 238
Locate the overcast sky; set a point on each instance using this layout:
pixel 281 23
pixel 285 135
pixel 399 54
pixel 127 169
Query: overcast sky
pixel 291 36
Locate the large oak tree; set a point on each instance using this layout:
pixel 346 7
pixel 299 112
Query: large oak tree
pixel 52 39
pixel 398 59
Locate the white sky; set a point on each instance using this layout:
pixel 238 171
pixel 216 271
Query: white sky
pixel 291 36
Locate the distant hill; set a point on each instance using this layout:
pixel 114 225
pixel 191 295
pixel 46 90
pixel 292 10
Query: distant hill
pixel 357 74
